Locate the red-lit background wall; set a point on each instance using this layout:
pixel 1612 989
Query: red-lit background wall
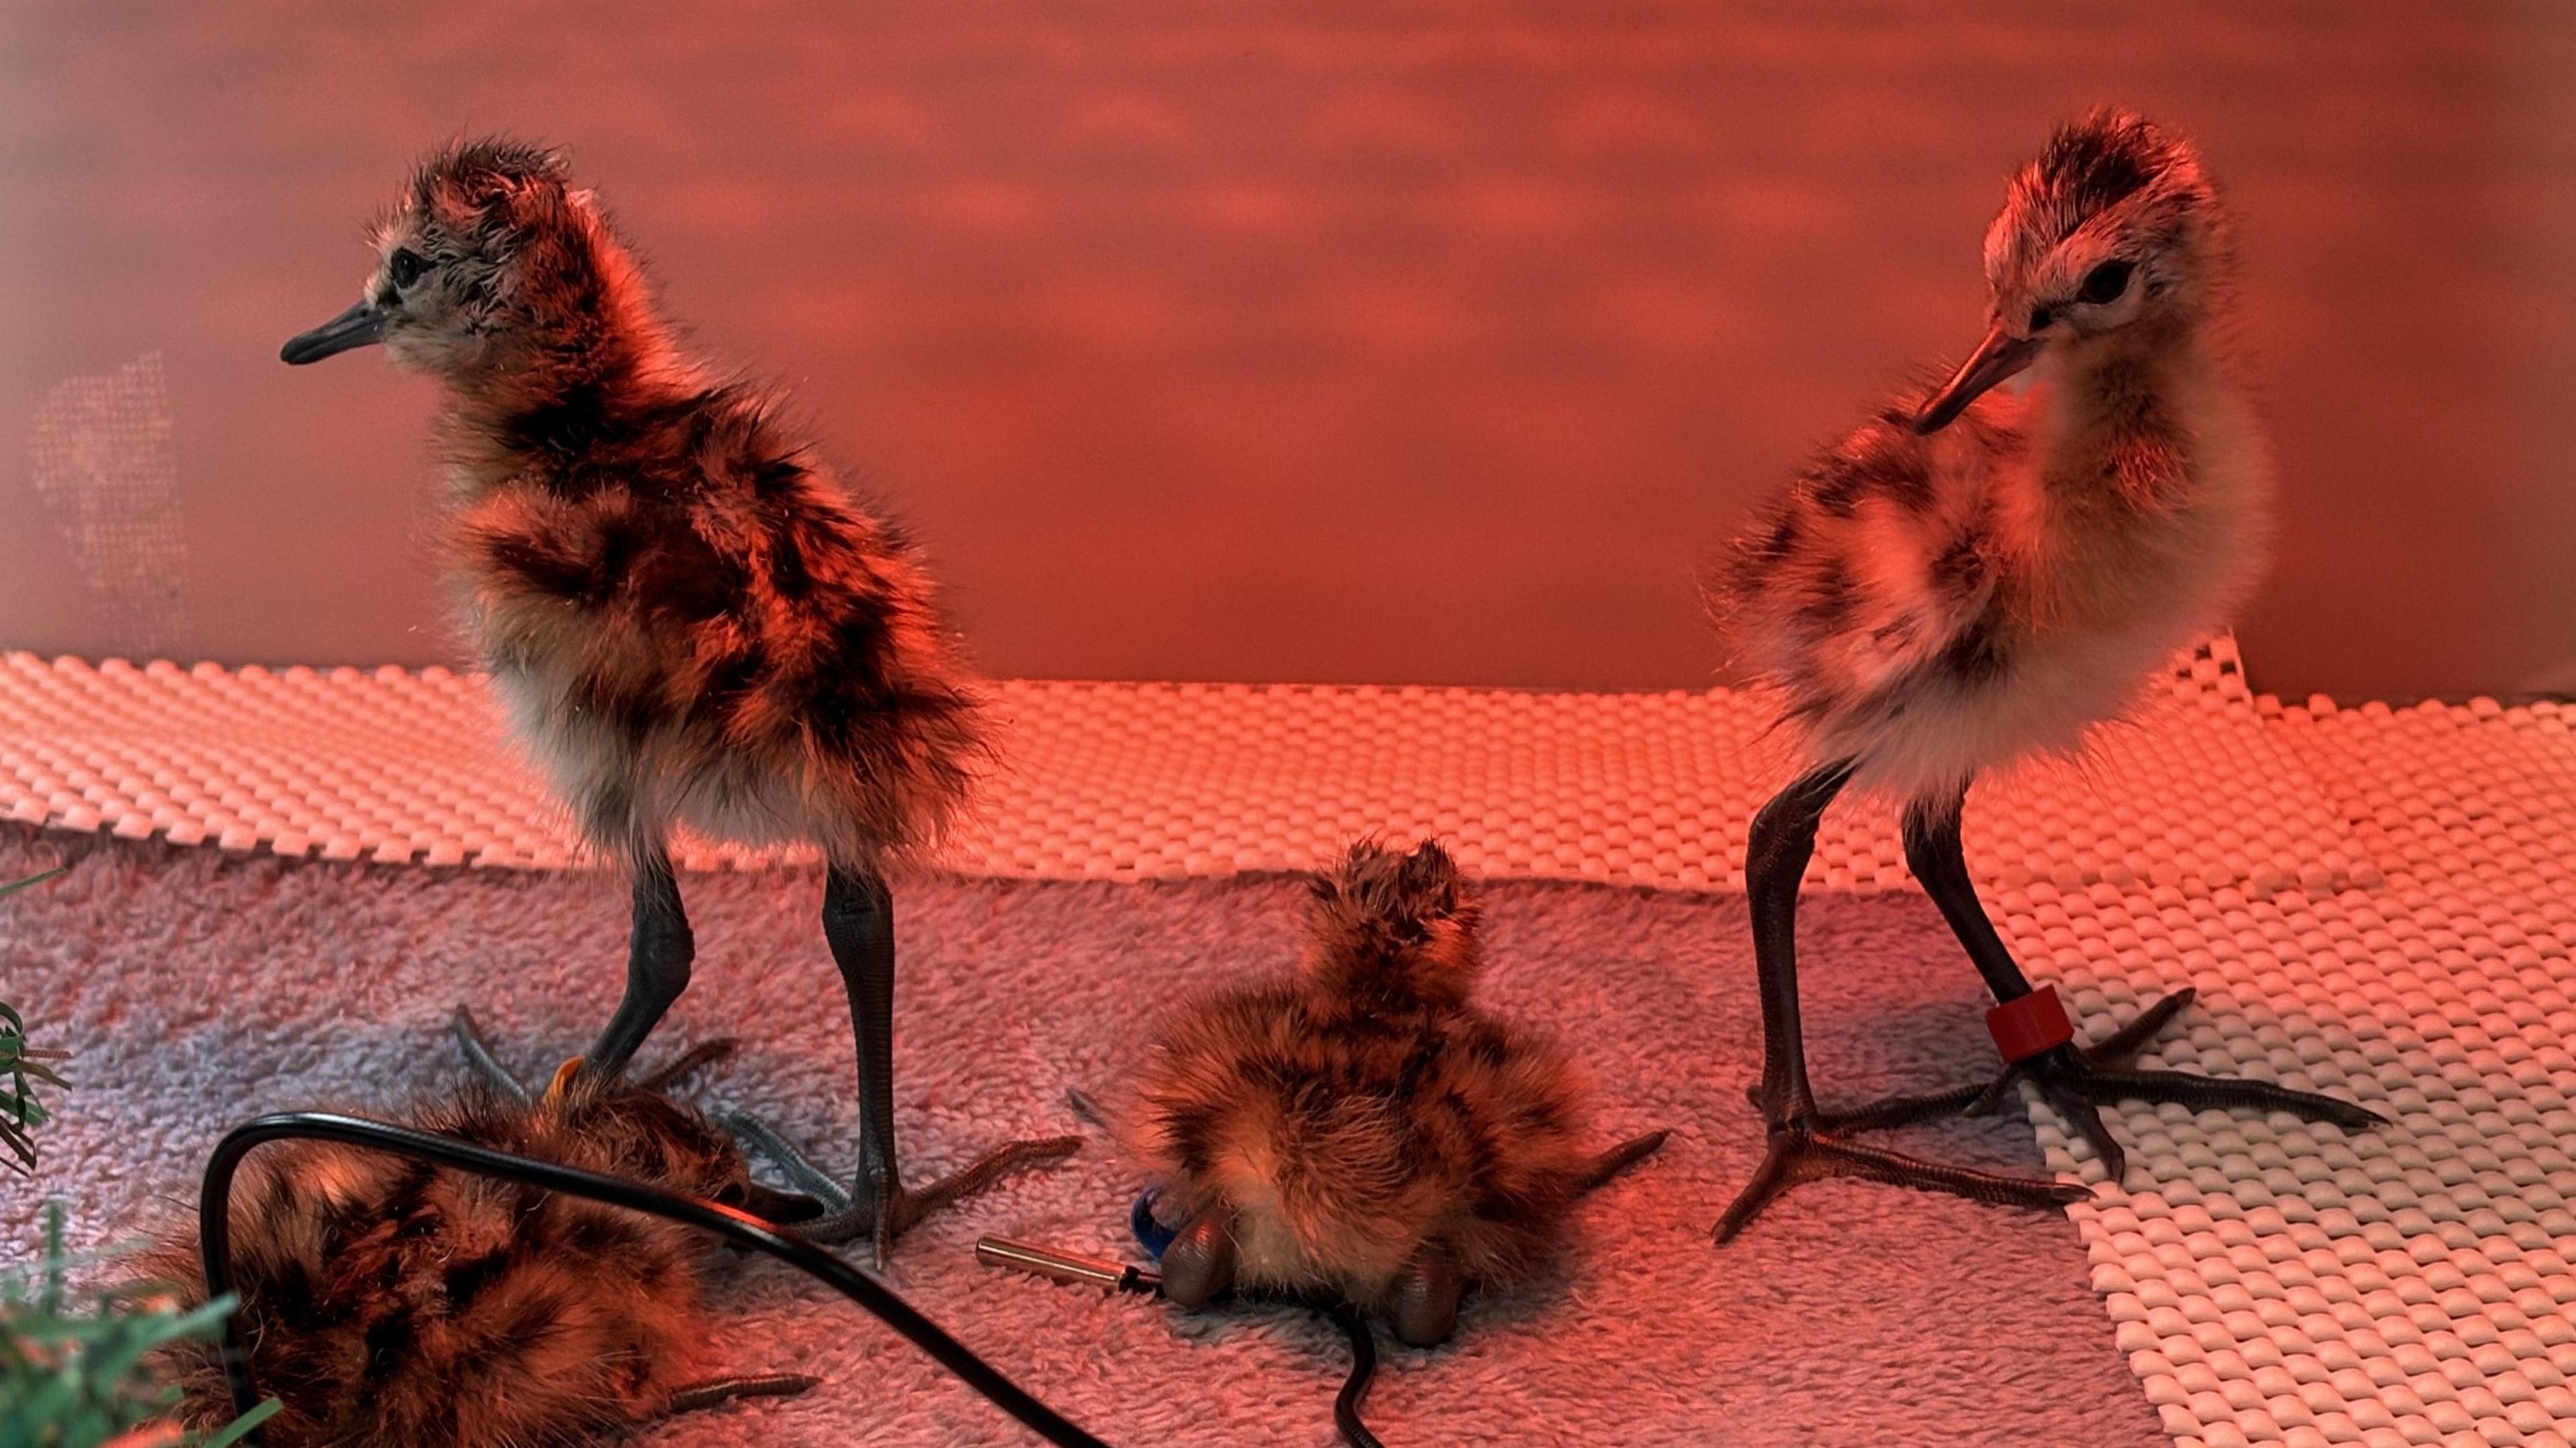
pixel 1326 341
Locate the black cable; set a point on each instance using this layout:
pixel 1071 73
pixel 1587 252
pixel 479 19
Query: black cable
pixel 740 1228
pixel 1346 1408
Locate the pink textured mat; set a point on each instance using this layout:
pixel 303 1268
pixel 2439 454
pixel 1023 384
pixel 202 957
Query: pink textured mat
pixel 1160 781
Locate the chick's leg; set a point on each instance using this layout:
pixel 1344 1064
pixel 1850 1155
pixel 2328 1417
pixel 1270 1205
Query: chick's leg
pixel 858 922
pixel 2074 1080
pixel 1800 1147
pixel 659 951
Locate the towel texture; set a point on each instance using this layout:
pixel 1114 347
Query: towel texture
pixel 198 988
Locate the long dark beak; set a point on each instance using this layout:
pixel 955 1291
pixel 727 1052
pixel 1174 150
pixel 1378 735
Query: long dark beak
pixel 1996 358
pixel 355 327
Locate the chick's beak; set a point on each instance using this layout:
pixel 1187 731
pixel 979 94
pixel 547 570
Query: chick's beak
pixel 1996 358
pixel 356 327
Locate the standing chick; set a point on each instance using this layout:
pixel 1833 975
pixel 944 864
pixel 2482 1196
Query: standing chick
pixel 690 620
pixel 1970 578
pixel 1361 1132
pixel 392 1303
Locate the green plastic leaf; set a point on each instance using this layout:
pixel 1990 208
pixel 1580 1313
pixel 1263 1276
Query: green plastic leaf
pixel 242 1425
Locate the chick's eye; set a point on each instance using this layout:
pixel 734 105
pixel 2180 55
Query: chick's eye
pixel 2105 283
pixel 406 268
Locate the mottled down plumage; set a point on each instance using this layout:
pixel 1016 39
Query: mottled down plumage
pixel 1351 1116
pixel 391 1303
pixel 1972 577
pixel 692 623
pixel 1934 605
pixel 692 620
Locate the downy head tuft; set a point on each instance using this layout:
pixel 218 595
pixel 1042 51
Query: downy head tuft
pixel 494 272
pixel 392 1303
pixel 2112 232
pixel 1392 931
pixel 2113 222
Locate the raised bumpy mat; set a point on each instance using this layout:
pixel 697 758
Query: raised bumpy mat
pixel 2372 903
pixel 1142 781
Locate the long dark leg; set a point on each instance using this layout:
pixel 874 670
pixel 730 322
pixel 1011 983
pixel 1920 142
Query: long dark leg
pixel 1783 840
pixel 2072 1080
pixel 1933 852
pixel 858 922
pixel 658 954
pixel 1775 860
pixel 1943 874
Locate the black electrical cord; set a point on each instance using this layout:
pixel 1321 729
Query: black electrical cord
pixel 214 1226
pixel 1346 1408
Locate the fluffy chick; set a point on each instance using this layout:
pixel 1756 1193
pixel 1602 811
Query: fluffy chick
pixel 393 1303
pixel 1360 1131
pixel 692 620
pixel 1972 577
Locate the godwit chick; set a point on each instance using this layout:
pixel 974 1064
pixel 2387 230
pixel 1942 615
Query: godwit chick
pixel 393 1304
pixel 1970 577
pixel 1361 1132
pixel 690 619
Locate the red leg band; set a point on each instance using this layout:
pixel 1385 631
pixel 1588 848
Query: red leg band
pixel 2028 1025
